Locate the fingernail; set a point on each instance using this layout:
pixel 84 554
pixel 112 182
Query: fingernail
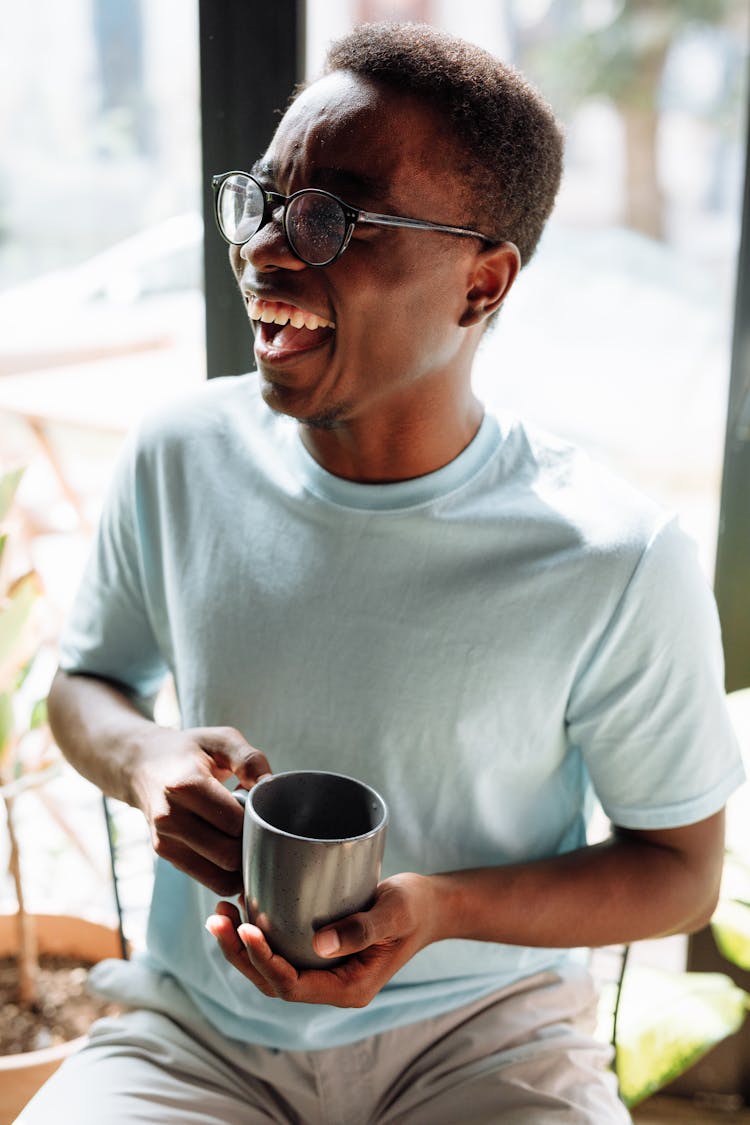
pixel 209 923
pixel 327 943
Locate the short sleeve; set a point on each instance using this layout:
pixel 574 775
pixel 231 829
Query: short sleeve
pixel 648 710
pixel 109 632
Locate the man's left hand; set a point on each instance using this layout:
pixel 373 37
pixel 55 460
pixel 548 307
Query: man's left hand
pixel 376 943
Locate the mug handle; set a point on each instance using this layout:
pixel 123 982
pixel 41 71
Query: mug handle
pixel 241 795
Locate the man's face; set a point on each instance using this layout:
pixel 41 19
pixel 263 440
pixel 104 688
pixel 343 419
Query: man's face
pixel 395 296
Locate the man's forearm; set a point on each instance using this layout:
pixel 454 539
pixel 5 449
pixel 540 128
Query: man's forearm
pixel 625 889
pixel 99 730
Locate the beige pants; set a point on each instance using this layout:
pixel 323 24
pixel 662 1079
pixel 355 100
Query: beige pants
pixel 523 1055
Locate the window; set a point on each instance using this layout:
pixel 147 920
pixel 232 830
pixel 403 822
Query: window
pixel 618 333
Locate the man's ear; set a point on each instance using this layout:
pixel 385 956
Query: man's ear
pixel 494 271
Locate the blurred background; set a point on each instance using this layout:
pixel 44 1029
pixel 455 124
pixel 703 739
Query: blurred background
pixel 617 335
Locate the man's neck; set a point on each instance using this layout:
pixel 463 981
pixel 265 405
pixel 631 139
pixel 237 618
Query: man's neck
pixel 385 450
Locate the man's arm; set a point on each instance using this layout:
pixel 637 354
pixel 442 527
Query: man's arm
pixel 174 777
pixel 635 885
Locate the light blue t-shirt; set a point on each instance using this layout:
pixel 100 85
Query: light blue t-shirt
pixel 487 645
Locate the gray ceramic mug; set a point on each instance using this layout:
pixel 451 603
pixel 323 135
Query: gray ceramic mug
pixel 312 849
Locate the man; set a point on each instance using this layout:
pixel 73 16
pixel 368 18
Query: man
pixel 347 565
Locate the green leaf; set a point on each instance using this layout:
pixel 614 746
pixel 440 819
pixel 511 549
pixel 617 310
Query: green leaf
pixel 38 715
pixel 730 926
pixel 3 541
pixel 15 613
pixel 24 671
pixel 667 1021
pixel 9 482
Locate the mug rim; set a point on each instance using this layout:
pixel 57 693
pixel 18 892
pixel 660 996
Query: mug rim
pixel 330 840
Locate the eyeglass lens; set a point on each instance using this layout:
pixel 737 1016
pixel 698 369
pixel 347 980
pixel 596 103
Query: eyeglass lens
pixel 240 209
pixel 315 223
pixel 316 227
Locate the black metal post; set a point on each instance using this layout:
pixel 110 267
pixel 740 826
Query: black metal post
pixel 732 582
pixel 724 1073
pixel 111 841
pixel 251 58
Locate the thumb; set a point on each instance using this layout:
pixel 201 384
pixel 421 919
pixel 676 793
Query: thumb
pixel 231 751
pixel 350 935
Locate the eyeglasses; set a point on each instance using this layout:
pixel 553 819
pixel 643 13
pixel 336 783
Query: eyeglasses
pixel 318 225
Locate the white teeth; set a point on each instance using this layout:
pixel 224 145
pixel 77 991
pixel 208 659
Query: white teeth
pixel 274 312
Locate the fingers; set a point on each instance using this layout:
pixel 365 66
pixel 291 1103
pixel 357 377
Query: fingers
pixel 245 947
pixel 351 984
pixel 224 928
pixel 230 750
pixel 197 826
pixel 196 823
pixel 278 976
pixel 223 848
pixel 184 858
pixel 206 799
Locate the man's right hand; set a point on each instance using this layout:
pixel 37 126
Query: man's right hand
pixel 174 777
pixel 195 822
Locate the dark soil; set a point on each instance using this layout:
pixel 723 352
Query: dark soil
pixel 65 1009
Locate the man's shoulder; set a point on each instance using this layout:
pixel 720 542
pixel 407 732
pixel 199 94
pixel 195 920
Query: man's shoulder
pixel 561 484
pixel 223 417
pixel 204 408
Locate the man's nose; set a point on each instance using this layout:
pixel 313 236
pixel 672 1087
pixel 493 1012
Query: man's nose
pixel 269 247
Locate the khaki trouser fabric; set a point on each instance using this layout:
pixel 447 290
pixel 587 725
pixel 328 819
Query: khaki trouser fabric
pixel 522 1056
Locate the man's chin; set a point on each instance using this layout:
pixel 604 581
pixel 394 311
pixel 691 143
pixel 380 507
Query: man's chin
pixel 284 400
pixel 333 421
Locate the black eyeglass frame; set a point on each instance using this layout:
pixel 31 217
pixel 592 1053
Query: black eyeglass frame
pixel 352 216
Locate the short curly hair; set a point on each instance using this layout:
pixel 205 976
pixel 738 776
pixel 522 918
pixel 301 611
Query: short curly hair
pixel 506 131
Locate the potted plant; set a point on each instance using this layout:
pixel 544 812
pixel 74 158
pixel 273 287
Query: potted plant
pixel 43 958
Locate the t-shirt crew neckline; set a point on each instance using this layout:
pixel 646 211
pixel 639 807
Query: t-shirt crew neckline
pixel 400 495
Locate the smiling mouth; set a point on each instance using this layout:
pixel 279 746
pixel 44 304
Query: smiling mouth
pixel 287 328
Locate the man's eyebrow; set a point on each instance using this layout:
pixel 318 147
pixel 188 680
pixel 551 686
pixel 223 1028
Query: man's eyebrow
pixel 341 181
pixel 344 181
pixel 264 170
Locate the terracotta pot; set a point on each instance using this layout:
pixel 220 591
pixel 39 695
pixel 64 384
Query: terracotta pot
pixel 22 1075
